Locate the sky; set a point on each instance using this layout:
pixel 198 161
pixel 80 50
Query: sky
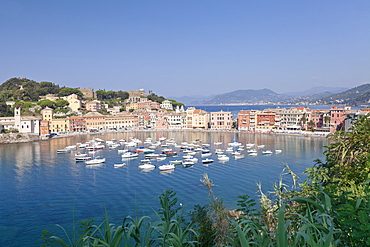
pixel 186 48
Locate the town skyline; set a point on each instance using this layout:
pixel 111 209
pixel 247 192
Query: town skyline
pixel 184 49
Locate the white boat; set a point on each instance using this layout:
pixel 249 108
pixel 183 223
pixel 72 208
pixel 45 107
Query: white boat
pixel 119 165
pixel 166 167
pixel 72 147
pixel 152 156
pixel 207 161
pixel 217 143
pixel 277 151
pixel 129 155
pixel 63 151
pixel 176 162
pixel 187 163
pixel 161 158
pixel 260 146
pixel 235 153
pixel 249 145
pixel 79 155
pixel 250 151
pixel 267 152
pixel 234 144
pixel 219 151
pixel 252 154
pixel 206 155
pixel 83 158
pixel 240 156
pixel 223 157
pixel 121 151
pixel 95 161
pixel 146 166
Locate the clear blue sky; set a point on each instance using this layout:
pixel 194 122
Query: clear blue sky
pixel 178 48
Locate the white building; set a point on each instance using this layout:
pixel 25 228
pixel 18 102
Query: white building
pixel 166 104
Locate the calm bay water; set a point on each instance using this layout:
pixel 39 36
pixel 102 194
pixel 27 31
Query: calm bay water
pixel 40 188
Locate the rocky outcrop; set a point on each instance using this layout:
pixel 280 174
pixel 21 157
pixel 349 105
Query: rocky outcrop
pixel 18 138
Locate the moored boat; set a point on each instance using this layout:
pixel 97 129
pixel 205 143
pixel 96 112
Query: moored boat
pixel 166 167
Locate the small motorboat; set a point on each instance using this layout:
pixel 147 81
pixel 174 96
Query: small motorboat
pixel 119 165
pixel 146 166
pixel 207 161
pixel 277 151
pixel 223 157
pixel 166 167
pixel 95 161
pixel 176 162
pixel 267 152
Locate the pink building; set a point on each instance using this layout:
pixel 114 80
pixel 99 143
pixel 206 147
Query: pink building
pixel 337 117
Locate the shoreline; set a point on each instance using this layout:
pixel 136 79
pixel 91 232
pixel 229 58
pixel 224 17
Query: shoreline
pixel 14 138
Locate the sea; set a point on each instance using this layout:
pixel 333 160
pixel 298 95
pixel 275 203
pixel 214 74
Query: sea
pixel 41 189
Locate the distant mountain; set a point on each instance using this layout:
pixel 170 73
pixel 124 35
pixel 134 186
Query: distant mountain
pixel 318 90
pixel 188 100
pixel 354 96
pixel 246 97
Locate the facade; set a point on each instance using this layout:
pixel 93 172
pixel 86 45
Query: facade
pixel 74 102
pixel 77 124
pixel 26 124
pixel 243 119
pixel 265 120
pixel 221 120
pixel 176 120
pixel 44 127
pixel 197 119
pixel 137 96
pixel 93 106
pixel 337 116
pixel 95 121
pixel 295 118
pixel 87 92
pixel 59 125
pixel 166 104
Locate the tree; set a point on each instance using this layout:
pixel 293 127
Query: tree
pixel 46 103
pixel 68 91
pixel 5 110
pixel 101 94
pixel 61 103
pixel 123 95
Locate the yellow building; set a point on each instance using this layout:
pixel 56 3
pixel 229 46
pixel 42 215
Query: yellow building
pixel 58 125
pixel 74 102
pixel 47 114
pixel 121 121
pixel 95 121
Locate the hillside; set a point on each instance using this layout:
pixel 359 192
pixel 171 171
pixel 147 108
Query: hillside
pixel 247 97
pixel 354 96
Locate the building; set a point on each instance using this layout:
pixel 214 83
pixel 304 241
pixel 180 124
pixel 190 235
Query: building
pixel 95 121
pixel 87 92
pixel 137 96
pixel 265 120
pixel 197 118
pixel 93 106
pixel 221 120
pixel 77 124
pixel 166 104
pixel 74 102
pixel 295 118
pixel 176 120
pixel 59 125
pixel 244 119
pixel 337 117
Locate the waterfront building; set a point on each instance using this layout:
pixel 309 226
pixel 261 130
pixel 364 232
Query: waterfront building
pixel 121 120
pixel 176 120
pixel 321 120
pixel 337 117
pixel 59 125
pixel 44 127
pixel 26 124
pixel 197 118
pixel 265 120
pixel 94 106
pixel 95 121
pixel 77 124
pixel 352 117
pixel 243 119
pixel 295 118
pixel 221 120
pixel 7 123
pixel 166 104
